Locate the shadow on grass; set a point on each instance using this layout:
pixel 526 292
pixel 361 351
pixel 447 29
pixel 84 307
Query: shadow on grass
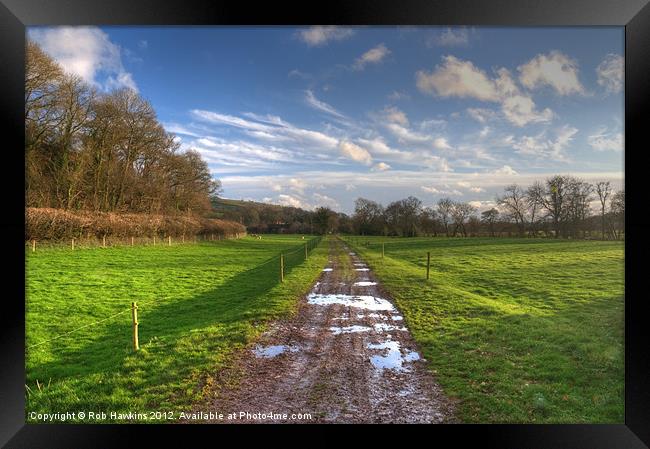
pixel 176 337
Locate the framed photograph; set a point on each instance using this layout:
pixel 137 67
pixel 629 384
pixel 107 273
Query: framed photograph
pixel 357 213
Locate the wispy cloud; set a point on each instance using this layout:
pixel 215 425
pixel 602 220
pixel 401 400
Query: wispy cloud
pixel 604 140
pixel 317 104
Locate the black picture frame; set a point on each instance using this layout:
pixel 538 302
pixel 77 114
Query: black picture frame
pixel 634 15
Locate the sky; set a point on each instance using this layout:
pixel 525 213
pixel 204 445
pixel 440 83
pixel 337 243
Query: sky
pixel 322 115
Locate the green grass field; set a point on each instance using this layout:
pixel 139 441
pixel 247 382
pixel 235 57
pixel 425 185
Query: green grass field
pixel 197 304
pixel 518 330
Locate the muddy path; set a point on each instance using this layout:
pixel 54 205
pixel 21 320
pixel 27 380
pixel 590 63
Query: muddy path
pixel 345 357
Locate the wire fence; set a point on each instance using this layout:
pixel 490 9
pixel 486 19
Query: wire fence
pixel 273 270
pixel 124 241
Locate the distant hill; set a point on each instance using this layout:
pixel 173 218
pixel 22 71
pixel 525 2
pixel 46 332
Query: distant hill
pixel 262 217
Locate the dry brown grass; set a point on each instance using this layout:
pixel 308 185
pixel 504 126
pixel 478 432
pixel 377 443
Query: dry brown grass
pixel 58 224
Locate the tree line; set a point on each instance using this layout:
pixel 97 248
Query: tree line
pixel 103 151
pixel 560 207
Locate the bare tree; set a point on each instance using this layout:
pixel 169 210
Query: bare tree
pixel 515 202
pixel 489 217
pixel 460 213
pixel 603 189
pixel 445 206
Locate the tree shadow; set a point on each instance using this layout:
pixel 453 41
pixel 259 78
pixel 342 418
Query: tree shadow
pixel 164 327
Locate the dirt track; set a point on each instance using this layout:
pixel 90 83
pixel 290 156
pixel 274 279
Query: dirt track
pixel 345 357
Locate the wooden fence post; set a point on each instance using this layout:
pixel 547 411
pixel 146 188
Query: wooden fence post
pixel 183 238
pixel 104 241
pixel 73 244
pixel 382 250
pixel 211 237
pixel 428 262
pixel 154 240
pixel 169 239
pixel 305 251
pixel 134 316
pixel 281 267
pixel 131 241
pixel 33 245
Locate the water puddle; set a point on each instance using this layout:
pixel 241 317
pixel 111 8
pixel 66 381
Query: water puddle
pixel 359 264
pixel 352 254
pixel 397 317
pixel 364 284
pixel 328 269
pixel 359 301
pixel 362 269
pixel 268 352
pixel 349 329
pixel 383 327
pixel 393 358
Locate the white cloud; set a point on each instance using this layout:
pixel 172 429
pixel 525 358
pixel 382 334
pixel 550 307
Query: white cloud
pixel 543 147
pixel 373 56
pixel 481 115
pixel 382 166
pixel 441 143
pixel 603 140
pixel 406 135
pixel 457 78
pixel 290 200
pixel 143 44
pixel 297 184
pixel 87 52
pixel 394 115
pixel 443 191
pixel 321 35
pixel 451 37
pixel 355 152
pixel 611 73
pixel 325 201
pixel 506 170
pixel 555 69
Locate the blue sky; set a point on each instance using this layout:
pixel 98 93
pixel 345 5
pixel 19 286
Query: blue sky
pixel 310 116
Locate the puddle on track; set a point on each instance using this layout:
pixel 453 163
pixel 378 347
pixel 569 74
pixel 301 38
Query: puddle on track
pixel 364 284
pixel 394 359
pixel 328 269
pixel 349 329
pixel 268 352
pixel 366 302
pixel 362 269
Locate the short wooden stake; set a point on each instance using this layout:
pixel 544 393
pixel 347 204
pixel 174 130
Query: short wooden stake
pixel 183 237
pixel 281 267
pixel 33 245
pixel 154 240
pixel 131 241
pixel 170 240
pixel 305 251
pixel 211 236
pixel 104 241
pixel 382 250
pixel 134 315
pixel 73 244
pixel 428 262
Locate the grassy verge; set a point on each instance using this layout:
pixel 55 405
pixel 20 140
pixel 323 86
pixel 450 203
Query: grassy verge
pixel 197 304
pixel 518 330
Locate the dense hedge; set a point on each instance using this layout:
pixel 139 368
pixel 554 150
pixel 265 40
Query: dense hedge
pixel 57 224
